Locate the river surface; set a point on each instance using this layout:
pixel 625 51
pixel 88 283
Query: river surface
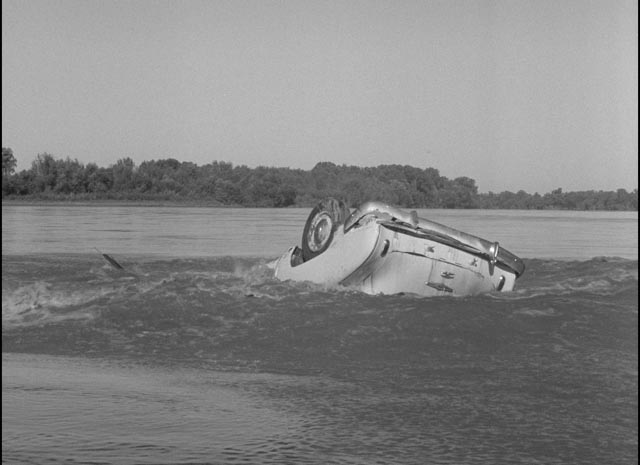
pixel 195 354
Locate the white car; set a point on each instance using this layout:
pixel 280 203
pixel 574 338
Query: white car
pixel 379 249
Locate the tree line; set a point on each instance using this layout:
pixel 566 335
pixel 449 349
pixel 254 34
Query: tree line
pixel 222 183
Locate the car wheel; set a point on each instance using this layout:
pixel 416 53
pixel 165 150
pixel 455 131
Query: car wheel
pixel 322 223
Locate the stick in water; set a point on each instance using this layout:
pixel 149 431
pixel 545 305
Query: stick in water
pixel 111 261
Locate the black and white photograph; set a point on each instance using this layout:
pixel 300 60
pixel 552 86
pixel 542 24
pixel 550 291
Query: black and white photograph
pixel 316 232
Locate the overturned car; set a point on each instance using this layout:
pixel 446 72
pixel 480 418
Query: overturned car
pixel 380 249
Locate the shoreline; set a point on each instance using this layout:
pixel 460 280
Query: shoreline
pixel 118 203
pixel 133 203
pixel 214 204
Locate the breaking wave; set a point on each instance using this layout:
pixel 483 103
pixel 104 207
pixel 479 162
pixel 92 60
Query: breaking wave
pixel 230 311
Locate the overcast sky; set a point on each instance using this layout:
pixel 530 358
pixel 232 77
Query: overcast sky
pixel 529 95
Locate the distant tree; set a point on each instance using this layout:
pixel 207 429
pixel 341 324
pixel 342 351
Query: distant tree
pixel 324 178
pixel 98 180
pixel 123 174
pixel 459 193
pixel 45 172
pixel 633 200
pixel 70 177
pixel 9 162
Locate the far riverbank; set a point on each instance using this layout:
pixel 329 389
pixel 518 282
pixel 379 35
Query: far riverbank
pixel 207 203
pixel 118 203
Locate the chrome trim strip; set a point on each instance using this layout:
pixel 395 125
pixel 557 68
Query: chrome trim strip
pixel 491 250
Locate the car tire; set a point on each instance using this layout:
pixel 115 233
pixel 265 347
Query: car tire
pixel 322 223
